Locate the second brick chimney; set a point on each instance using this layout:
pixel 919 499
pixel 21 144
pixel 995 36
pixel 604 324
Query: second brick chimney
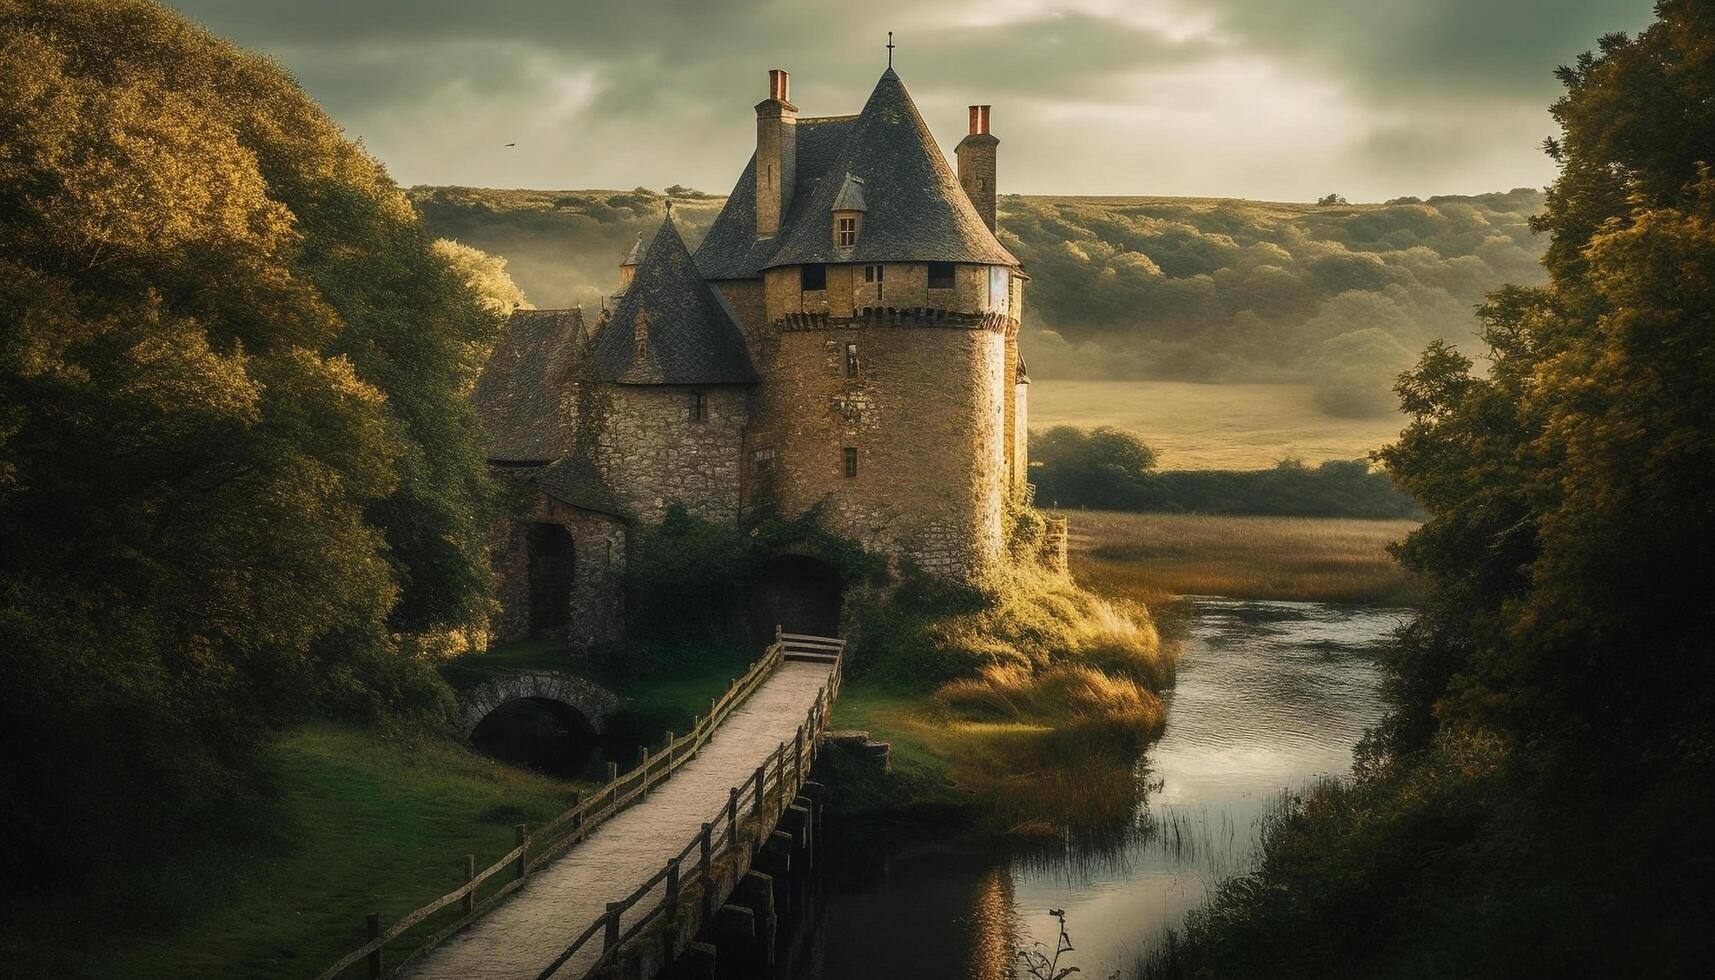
pixel 976 153
pixel 776 153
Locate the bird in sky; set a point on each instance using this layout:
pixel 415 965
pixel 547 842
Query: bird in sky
pixel 512 144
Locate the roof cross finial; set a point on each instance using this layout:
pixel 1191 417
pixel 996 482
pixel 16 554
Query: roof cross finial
pixel 890 49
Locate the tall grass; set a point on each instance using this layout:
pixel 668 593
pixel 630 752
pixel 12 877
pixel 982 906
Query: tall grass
pixel 1041 695
pixel 1153 557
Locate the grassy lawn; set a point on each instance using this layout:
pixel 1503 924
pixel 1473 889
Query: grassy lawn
pixel 1212 426
pixel 1153 557
pixel 355 824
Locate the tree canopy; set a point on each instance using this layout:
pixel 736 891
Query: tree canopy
pixel 238 478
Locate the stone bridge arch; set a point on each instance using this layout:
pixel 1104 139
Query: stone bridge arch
pixel 588 699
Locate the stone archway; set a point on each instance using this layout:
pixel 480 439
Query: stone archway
pixel 800 594
pixel 591 701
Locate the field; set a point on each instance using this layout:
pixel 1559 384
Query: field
pixel 1151 557
pixel 1211 426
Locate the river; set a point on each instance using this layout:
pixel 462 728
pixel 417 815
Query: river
pixel 1270 695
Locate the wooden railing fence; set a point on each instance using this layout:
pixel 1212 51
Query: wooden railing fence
pixel 785 770
pixel 620 792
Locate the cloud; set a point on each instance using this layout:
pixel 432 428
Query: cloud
pixel 1258 98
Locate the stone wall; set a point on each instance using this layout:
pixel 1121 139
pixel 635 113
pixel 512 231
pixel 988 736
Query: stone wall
pixel 597 600
pixel 925 415
pixel 653 454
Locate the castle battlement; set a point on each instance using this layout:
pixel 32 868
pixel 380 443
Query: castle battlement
pixel 875 316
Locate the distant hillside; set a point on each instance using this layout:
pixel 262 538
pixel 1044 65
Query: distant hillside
pixel 1135 287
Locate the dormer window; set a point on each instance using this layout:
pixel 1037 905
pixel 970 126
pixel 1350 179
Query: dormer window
pixel 849 207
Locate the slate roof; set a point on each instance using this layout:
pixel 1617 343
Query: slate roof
pixel 850 197
pixel 917 212
pixel 692 335
pixel 523 396
pixel 575 481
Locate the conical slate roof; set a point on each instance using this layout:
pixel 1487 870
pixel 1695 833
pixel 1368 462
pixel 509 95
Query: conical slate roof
pixel 916 210
pixel 690 335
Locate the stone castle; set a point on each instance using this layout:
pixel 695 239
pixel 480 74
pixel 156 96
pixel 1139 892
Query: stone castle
pixel 843 341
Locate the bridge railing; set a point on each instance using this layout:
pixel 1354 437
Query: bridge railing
pixel 778 778
pixel 561 832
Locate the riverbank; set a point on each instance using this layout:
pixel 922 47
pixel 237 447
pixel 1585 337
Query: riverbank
pixel 1016 777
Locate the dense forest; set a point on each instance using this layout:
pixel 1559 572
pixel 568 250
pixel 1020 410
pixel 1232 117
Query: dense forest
pixel 1537 802
pixel 1206 290
pixel 240 483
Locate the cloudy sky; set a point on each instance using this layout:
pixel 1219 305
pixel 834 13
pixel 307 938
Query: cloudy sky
pixel 1274 99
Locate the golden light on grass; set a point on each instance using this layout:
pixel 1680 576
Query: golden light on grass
pixel 1150 558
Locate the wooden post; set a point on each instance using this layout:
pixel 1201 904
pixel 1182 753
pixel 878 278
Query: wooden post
pixel 798 757
pixel 707 844
pixel 374 922
pixel 523 835
pixel 468 905
pixel 780 767
pixel 672 885
pixel 759 777
pixel 612 772
pixel 578 817
pixel 669 749
pixel 732 813
pixel 610 937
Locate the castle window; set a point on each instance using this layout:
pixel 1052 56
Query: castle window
pixel 812 277
pixel 845 232
pixel 762 460
pixel 850 454
pixel 851 361
pixel 874 273
pixel 699 407
pixel 940 275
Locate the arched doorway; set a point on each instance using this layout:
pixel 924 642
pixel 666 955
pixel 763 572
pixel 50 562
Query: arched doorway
pixel 538 733
pixel 799 593
pixel 553 569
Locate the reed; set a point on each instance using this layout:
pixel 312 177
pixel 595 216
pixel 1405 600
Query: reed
pixel 1151 558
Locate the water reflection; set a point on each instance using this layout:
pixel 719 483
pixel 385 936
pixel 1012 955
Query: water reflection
pixel 1270 695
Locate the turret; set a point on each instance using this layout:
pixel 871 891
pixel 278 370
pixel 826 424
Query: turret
pixel 776 154
pixel 976 154
pixel 628 265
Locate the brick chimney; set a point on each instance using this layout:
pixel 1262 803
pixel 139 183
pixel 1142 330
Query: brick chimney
pixel 776 153
pixel 976 164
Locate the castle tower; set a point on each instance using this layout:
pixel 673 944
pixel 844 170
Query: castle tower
pixel 882 315
pixel 670 391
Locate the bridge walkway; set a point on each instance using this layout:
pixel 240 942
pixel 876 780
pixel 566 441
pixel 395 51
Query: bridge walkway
pixel 523 937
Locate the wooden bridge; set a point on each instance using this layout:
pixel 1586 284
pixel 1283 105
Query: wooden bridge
pixel 626 879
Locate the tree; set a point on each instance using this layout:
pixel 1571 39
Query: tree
pixel 1102 468
pixel 1330 201
pixel 238 478
pixel 1570 534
